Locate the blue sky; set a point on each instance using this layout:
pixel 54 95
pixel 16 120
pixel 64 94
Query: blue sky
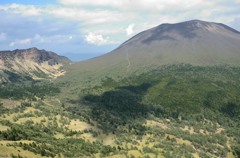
pixel 81 29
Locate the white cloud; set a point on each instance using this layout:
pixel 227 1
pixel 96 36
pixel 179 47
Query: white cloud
pixel 95 16
pixel 139 5
pixel 97 39
pixel 129 29
pixel 51 39
pixel 3 36
pixel 87 16
pixel 107 31
pixel 26 41
pixel 39 38
pixel 100 11
pixel 102 20
pixel 91 3
pixel 27 10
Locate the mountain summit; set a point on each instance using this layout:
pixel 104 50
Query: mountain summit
pixel 192 42
pixel 184 30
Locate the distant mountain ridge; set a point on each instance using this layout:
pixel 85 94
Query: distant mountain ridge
pixel 32 62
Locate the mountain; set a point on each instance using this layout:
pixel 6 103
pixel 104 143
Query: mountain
pixel 171 91
pixel 30 63
pixel 192 42
pixel 174 87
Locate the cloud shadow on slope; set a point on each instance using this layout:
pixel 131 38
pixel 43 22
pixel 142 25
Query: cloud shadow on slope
pixel 119 107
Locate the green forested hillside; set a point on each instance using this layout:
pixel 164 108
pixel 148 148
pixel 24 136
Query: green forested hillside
pixel 200 100
pixel 170 91
pixel 190 111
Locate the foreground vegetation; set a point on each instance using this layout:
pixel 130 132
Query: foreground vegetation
pixel 45 129
pixel 179 110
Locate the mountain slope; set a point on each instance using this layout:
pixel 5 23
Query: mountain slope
pixel 185 75
pixel 30 63
pixel 137 101
pixel 193 42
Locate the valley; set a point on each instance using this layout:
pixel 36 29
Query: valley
pixel 170 91
pixel 101 119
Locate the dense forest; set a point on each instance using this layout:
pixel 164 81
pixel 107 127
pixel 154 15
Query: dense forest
pixel 184 94
pixel 184 110
pixel 28 90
